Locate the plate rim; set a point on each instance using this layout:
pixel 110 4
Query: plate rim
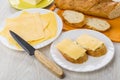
pixel 59 30
pixel 105 64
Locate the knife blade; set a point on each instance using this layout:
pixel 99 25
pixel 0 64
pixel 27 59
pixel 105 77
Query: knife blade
pixel 38 55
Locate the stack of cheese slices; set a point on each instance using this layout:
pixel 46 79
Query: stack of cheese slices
pixel 76 51
pixel 33 27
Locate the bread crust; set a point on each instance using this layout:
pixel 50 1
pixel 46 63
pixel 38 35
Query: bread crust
pixel 88 27
pixel 78 25
pixel 79 60
pixel 98 52
pixel 102 9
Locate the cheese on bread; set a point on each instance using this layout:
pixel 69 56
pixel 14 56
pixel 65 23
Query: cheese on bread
pixel 71 49
pixel 89 42
pixel 93 46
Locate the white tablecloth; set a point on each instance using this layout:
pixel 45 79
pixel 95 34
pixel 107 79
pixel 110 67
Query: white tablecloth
pixel 15 65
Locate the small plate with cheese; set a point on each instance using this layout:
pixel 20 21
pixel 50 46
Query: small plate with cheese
pixel 39 27
pixel 27 4
pixel 82 50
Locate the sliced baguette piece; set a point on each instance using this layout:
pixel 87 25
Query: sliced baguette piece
pixel 97 24
pixel 94 46
pixel 73 18
pixel 71 51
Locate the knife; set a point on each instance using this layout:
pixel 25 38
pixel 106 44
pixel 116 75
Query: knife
pixel 38 55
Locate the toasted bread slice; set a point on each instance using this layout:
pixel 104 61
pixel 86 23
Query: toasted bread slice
pixel 73 18
pixel 98 52
pixel 71 51
pixel 94 46
pixel 79 60
pixel 97 24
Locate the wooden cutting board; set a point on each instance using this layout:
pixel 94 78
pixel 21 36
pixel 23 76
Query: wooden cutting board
pixel 113 33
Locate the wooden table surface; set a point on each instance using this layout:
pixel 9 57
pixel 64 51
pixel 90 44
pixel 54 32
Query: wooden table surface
pixel 15 65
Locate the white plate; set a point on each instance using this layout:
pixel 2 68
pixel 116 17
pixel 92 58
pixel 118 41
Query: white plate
pixel 93 63
pixel 40 45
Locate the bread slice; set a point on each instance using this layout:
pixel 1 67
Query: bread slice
pixel 93 46
pixel 97 24
pixel 79 60
pixel 73 18
pixel 98 52
pixel 71 51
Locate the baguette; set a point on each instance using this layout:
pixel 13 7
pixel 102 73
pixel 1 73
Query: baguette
pixel 109 10
pixel 100 8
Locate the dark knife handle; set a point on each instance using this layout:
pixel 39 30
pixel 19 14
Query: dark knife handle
pixel 49 64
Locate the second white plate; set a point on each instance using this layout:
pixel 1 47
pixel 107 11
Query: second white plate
pixel 93 63
pixel 39 45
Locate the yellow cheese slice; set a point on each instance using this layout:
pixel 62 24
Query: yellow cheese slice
pixel 89 42
pixel 63 45
pixel 24 26
pixel 71 49
pixel 51 30
pixel 51 19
